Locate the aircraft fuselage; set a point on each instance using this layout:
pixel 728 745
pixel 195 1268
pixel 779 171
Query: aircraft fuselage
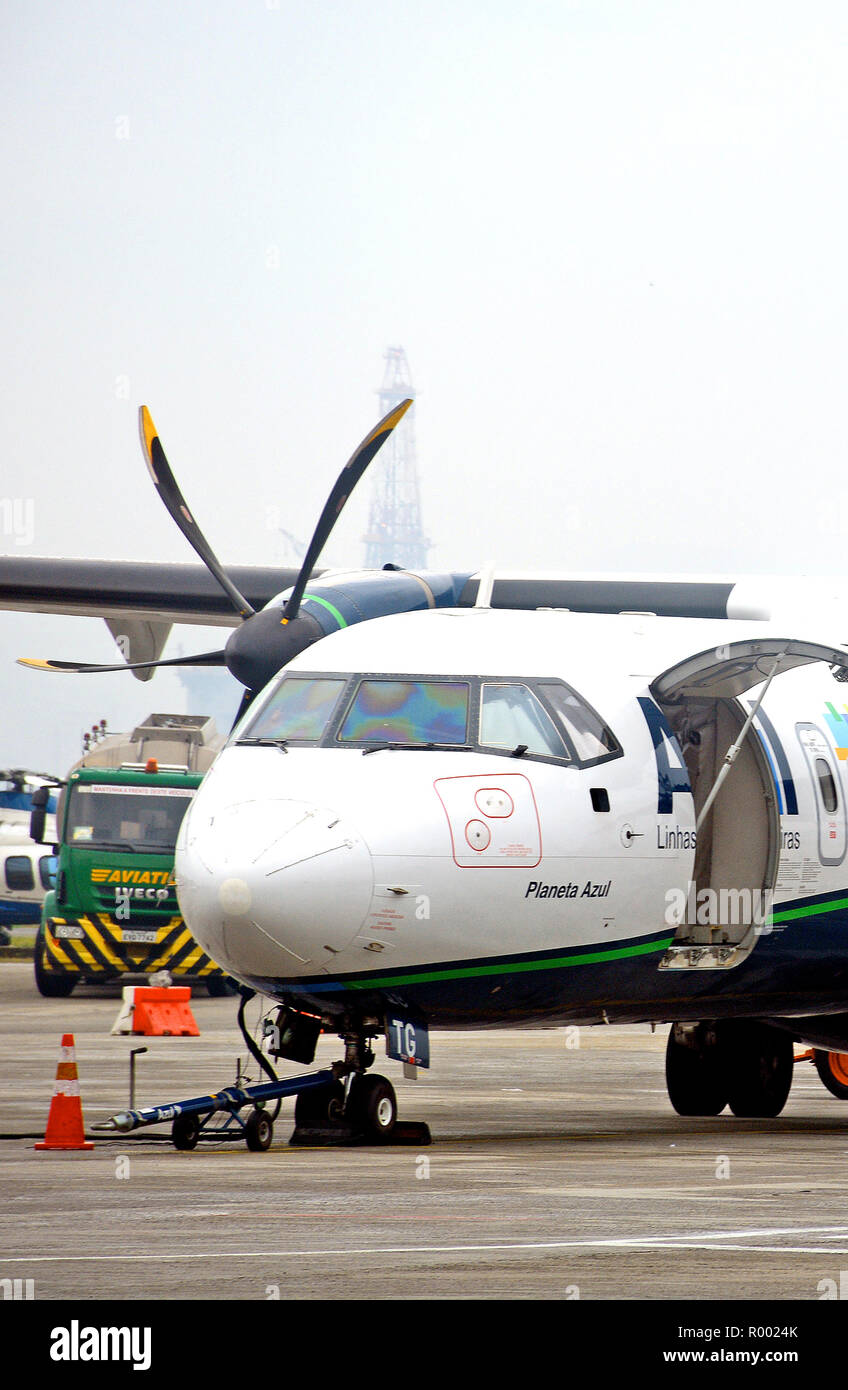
pixel 489 818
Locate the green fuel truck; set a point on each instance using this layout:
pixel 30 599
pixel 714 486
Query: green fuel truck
pixel 113 914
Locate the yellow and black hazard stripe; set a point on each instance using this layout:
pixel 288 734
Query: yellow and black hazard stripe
pixel 102 952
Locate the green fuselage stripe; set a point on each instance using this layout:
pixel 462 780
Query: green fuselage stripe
pixel 313 598
pixel 812 911
pixel 510 967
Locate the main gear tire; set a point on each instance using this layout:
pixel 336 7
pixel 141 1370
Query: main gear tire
pixel 694 1074
pixel 759 1061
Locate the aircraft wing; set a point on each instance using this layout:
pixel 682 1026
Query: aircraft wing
pixel 133 589
pixel 188 593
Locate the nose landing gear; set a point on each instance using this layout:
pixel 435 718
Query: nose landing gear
pixel 355 1107
pixel 367 1113
pixel 338 1105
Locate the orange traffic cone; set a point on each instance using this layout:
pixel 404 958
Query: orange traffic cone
pixel 64 1123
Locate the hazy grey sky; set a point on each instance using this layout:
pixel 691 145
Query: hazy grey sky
pixel 610 236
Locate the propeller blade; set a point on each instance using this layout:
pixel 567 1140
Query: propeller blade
pixel 345 483
pixel 160 471
pixel 244 705
pixel 83 667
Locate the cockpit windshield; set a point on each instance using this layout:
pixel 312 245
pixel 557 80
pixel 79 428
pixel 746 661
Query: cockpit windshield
pixel 535 718
pixel 300 708
pixel 409 712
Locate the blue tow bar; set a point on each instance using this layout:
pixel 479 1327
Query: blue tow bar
pixel 232 1099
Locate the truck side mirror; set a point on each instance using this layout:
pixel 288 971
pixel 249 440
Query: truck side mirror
pixel 40 798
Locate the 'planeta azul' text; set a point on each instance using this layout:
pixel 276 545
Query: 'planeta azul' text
pixel 537 889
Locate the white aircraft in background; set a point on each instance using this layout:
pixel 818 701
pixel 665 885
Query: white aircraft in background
pixel 27 870
pixel 457 801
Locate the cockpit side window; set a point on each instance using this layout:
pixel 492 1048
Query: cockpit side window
pixel 300 708
pixel 589 736
pixel 511 717
pixel 412 712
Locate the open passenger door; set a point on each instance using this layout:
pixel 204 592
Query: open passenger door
pixel 738 836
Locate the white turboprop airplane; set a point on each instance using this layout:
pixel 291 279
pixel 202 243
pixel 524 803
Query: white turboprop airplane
pixel 514 813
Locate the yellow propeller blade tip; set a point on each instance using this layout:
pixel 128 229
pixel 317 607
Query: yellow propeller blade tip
pixel 399 413
pixel 147 429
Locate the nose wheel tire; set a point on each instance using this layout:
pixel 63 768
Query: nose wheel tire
pixel 320 1108
pixel 374 1106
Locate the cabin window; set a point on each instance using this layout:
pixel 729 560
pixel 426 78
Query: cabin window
pixel 583 729
pixel 19 875
pixel 512 717
pixel 827 785
pixel 415 713
pixel 300 709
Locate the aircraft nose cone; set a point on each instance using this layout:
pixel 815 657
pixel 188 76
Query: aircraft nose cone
pixel 273 887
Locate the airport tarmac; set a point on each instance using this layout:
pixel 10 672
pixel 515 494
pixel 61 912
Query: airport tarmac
pixel 557 1170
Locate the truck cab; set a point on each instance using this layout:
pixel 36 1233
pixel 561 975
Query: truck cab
pixel 113 913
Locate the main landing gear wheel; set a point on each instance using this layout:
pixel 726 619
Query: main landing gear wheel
pixel 258 1131
pixel 374 1106
pixel 759 1061
pixel 832 1068
pixel 321 1107
pixel 185 1132
pixel 694 1073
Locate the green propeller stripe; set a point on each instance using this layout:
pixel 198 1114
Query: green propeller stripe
pixel 313 598
pixel 511 967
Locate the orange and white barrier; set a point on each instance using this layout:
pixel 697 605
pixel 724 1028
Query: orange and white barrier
pixel 152 1012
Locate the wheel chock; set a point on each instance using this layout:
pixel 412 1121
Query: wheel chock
pixel 404 1132
pixel 65 1128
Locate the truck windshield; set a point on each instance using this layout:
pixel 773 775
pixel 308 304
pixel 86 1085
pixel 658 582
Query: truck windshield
pixel 121 818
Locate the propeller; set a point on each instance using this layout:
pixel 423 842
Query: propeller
pixel 86 668
pixel 264 641
pixel 164 480
pixel 345 483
